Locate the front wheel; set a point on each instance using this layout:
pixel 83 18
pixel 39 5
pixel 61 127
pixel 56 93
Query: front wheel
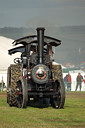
pixel 22 94
pixel 58 98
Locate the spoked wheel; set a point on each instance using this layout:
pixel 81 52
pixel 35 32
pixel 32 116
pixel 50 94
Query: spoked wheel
pixel 58 98
pixel 22 94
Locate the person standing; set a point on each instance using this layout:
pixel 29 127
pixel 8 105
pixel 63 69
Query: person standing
pixel 84 80
pixel 69 82
pixel 65 82
pixel 79 80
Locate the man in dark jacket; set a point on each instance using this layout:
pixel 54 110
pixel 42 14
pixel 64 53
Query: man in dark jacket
pixel 79 81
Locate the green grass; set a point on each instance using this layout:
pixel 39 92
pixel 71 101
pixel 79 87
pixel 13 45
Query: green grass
pixel 72 116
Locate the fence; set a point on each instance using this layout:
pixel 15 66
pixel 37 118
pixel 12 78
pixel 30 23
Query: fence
pixel 72 86
pixel 73 83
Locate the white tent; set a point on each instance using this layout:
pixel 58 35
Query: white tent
pixel 54 63
pixel 5 59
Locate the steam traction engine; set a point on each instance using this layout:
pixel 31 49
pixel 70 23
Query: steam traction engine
pixel 34 75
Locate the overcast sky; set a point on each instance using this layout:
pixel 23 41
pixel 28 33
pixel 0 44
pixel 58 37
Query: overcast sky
pixel 33 13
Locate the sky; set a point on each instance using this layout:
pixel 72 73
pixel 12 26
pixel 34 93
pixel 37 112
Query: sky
pixel 34 13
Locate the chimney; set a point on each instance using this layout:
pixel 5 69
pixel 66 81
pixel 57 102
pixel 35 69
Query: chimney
pixel 40 39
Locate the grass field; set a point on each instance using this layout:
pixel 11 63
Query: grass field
pixel 72 116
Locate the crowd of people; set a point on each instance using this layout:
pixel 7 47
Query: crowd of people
pixel 68 81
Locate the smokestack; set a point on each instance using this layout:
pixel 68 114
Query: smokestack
pixel 40 39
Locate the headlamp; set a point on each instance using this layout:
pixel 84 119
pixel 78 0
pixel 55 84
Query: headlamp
pixel 41 73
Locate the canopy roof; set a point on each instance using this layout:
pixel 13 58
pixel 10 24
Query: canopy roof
pixel 33 39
